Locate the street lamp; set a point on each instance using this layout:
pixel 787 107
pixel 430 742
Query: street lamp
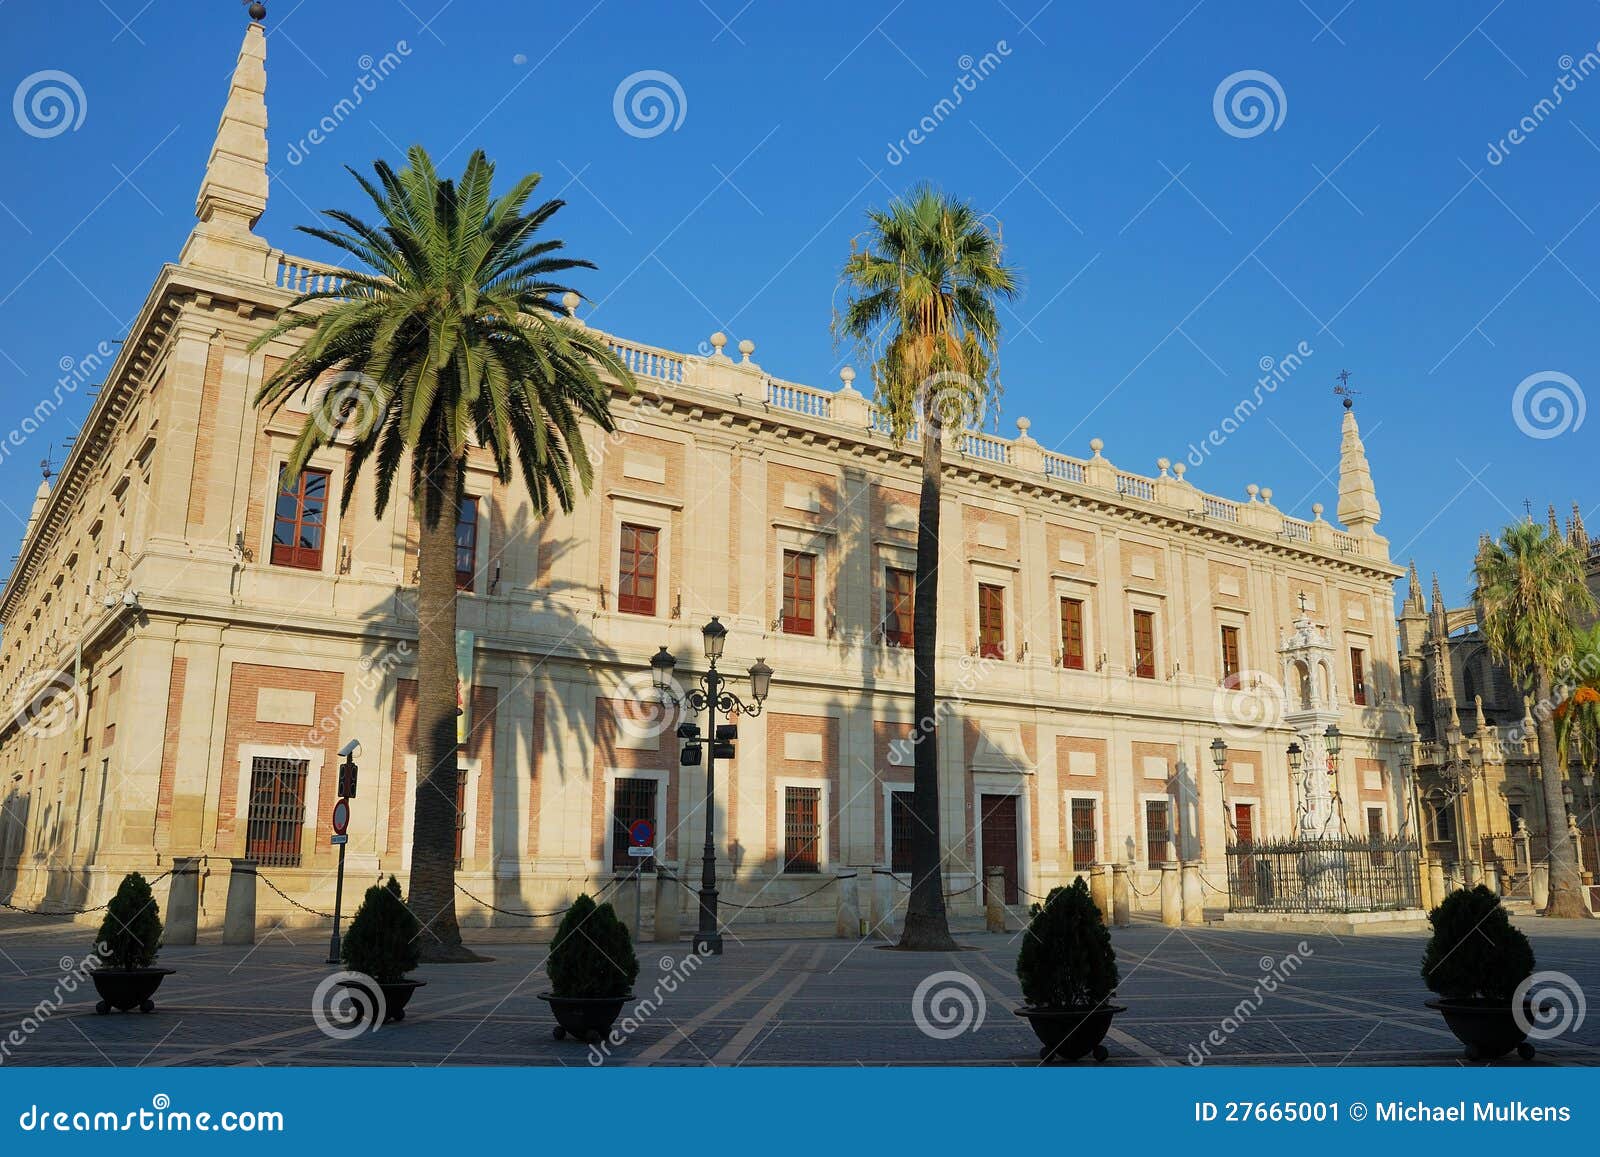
pixel 710 695
pixel 1294 758
pixel 1219 754
pixel 1332 738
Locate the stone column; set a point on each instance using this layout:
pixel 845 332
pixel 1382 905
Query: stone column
pixel 1099 892
pixel 1541 887
pixel 668 906
pixel 847 920
pixel 994 899
pixel 239 921
pixel 1171 900
pixel 1121 897
pixel 183 902
pixel 1436 882
pixel 883 898
pixel 1194 904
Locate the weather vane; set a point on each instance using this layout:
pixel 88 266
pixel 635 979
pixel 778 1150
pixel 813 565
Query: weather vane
pixel 1343 389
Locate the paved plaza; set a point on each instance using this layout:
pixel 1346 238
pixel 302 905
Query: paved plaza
pixel 1337 1001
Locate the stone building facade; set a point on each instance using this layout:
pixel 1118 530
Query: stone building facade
pixel 189 638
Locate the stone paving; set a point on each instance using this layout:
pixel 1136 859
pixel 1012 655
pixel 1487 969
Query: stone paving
pixel 1349 1001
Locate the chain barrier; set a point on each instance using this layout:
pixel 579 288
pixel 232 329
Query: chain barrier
pixel 903 884
pixel 291 900
pixel 75 911
pixel 763 907
pixel 1134 888
pixel 1209 884
pixel 536 915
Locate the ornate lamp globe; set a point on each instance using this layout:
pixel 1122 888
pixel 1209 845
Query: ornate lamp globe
pixel 662 665
pixel 1294 757
pixel 1219 753
pixel 715 635
pixel 760 679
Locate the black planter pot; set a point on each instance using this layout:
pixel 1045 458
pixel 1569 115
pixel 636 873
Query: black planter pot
pixel 1488 1029
pixel 395 997
pixel 126 989
pixel 1070 1034
pixel 585 1018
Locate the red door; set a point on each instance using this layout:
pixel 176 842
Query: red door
pixel 1000 839
pixel 1244 834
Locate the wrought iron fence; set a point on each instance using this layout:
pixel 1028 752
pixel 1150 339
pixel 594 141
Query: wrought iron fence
pixel 1373 874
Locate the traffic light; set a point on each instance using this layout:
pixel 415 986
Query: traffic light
pixel 347 779
pixel 690 756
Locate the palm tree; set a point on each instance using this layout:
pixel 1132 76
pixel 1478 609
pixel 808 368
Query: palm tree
pixel 454 336
pixel 921 296
pixel 1531 591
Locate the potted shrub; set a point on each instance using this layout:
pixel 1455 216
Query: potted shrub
pixel 1068 973
pixel 1476 961
pixel 382 943
pixel 126 947
pixel 591 968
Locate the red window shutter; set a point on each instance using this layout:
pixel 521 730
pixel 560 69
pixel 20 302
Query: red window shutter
pixel 991 621
pixel 799 593
pixel 1072 656
pixel 637 569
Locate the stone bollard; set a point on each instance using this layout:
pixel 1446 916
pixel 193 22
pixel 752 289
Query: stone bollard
pixel 1099 892
pixel 1491 877
pixel 1541 887
pixel 669 906
pixel 1121 897
pixel 1425 885
pixel 183 902
pixel 994 899
pixel 847 918
pixel 884 888
pixel 1436 883
pixel 1171 898
pixel 1194 900
pixel 239 921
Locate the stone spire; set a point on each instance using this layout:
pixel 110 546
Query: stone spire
pixel 1575 531
pixel 1555 527
pixel 233 194
pixel 1358 500
pixel 1438 597
pixel 1413 603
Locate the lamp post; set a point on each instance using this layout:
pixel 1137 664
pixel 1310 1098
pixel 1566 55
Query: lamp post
pixel 710 695
pixel 1459 774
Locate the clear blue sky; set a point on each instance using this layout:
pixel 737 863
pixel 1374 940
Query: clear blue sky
pixel 1163 257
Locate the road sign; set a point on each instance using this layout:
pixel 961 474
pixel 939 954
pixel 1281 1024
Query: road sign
pixel 641 853
pixel 339 839
pixel 341 817
pixel 641 832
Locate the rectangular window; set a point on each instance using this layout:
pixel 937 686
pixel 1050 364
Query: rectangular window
pixel 113 691
pixel 467 545
pixel 1157 832
pixel 300 520
pixel 277 812
pixel 799 593
pixel 633 800
pixel 899 588
pixel 637 569
pixel 1230 655
pixel 802 829
pixel 1144 644
pixel 1358 676
pixel 991 621
pixel 461 814
pixel 1072 634
pixel 1083 835
pixel 902 819
pixel 1375 833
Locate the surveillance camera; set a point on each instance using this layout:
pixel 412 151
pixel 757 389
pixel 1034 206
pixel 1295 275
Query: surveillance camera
pixel 350 748
pixel 110 600
pixel 130 599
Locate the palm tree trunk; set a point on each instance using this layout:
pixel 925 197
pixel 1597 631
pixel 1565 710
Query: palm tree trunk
pixel 1566 900
pixel 927 926
pixel 433 838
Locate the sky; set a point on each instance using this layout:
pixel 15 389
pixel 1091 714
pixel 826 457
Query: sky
pixel 1386 196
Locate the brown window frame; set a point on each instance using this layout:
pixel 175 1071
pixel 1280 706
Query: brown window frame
pixel 902 814
pixel 1154 857
pixel 799 592
pixel 275 811
pixel 899 606
pixel 991 621
pixel 289 553
pixel 802 829
pixel 1358 676
pixel 1144 649
pixel 467 579
pixel 638 564
pixel 1073 641
pixel 1230 652
pixel 1082 862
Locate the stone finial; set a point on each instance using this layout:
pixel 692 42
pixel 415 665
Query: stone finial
pixel 1479 724
pixel 569 302
pixel 1438 595
pixel 1023 425
pixel 1253 491
pixel 1358 500
pixel 718 340
pixel 1164 465
pixel 258 11
pixel 1096 445
pixel 746 348
pixel 1179 469
pixel 1575 530
pixel 847 379
pixel 233 193
pixel 1555 527
pixel 1316 512
pixel 1413 589
pixel 1266 495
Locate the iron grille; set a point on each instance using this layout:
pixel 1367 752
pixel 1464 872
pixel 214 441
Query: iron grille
pixel 1083 833
pixel 901 818
pixel 635 800
pixel 1375 874
pixel 802 825
pixel 277 812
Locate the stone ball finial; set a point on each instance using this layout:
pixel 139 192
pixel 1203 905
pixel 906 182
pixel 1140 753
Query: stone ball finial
pixel 1164 464
pixel 1023 426
pixel 258 11
pixel 1316 511
pixel 1180 469
pixel 746 348
pixel 848 376
pixel 718 340
pixel 1097 445
pixel 1252 490
pixel 1266 494
pixel 569 302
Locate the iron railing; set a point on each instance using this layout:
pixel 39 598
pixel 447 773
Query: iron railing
pixel 1374 874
